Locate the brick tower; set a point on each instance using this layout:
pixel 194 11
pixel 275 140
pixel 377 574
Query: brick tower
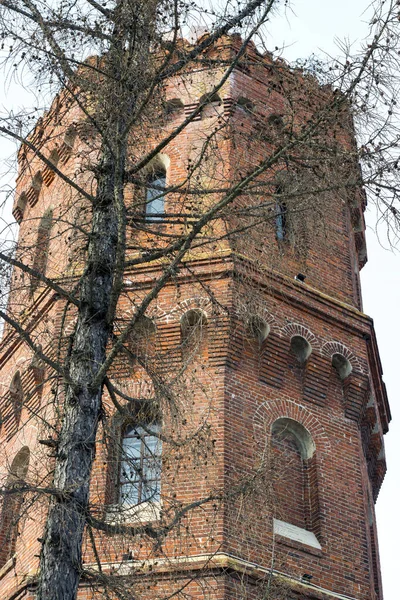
pixel 282 384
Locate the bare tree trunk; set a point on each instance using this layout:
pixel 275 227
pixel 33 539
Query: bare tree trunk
pixel 61 556
pixel 61 552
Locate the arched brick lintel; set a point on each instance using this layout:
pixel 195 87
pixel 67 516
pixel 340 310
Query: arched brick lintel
pixel 271 410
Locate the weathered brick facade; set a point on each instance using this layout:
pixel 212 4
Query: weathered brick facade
pixel 287 373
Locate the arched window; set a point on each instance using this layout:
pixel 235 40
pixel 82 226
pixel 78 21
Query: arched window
pixel 173 107
pixel 276 122
pixel 301 348
pixel 245 104
pixel 259 328
pixel 342 365
pixel 54 157
pixel 211 107
pixel 42 247
pixel 295 476
pixel 37 182
pixel 142 340
pixel 193 333
pixel 19 209
pixel 17 397
pixel 155 195
pixel 67 144
pixel 70 136
pixel 49 174
pixel 12 503
pixel 140 465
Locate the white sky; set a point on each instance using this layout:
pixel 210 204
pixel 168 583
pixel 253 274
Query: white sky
pixel 310 27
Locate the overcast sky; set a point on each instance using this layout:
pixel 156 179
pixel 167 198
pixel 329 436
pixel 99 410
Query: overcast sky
pixel 311 26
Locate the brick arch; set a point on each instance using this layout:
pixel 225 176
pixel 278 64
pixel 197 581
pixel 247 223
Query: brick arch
pixel 292 329
pixel 202 303
pixel 153 312
pixel 271 410
pixel 14 399
pixel 26 436
pixel 140 387
pixel 334 347
pixel 268 318
pixel 257 309
pixel 22 364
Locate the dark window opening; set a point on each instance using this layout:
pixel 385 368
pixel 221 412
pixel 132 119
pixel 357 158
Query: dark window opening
pixel 211 105
pixel 276 122
pixel 17 397
pixel 173 106
pixel 12 505
pixel 194 334
pixel 42 247
pixel 246 104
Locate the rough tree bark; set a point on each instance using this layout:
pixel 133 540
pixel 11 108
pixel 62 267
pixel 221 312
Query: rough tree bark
pixel 62 545
pixel 61 555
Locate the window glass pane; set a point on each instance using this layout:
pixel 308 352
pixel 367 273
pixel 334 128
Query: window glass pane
pixel 151 446
pixel 154 197
pixel 280 220
pixel 131 448
pixel 152 471
pixel 130 470
pixel 151 491
pixel 140 466
pixel 129 494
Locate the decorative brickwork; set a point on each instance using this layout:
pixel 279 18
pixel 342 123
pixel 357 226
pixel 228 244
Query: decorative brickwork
pixel 278 377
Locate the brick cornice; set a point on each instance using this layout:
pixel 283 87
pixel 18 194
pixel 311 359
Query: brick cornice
pixel 220 561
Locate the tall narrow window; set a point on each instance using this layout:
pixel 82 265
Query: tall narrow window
pixel 295 480
pixel 42 247
pixel 142 340
pixel 280 215
pixel 17 397
pixel 20 206
pixel 140 465
pixel 12 502
pixel 193 333
pixel 68 144
pixel 35 189
pixel 155 196
pixel 48 173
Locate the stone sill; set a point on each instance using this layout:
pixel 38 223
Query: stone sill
pixel 142 513
pixel 297 538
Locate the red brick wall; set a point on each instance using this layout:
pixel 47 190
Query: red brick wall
pixel 236 385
